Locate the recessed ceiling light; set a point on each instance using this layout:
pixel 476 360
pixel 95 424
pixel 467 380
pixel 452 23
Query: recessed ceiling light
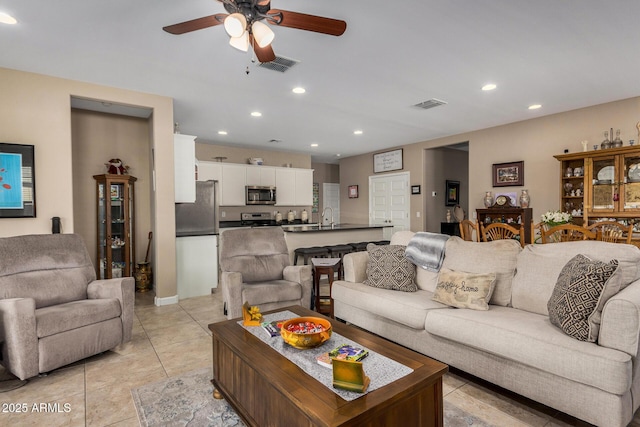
pixel 5 18
pixel 298 90
pixel 357 132
pixel 222 132
pixel 338 155
pixel 535 106
pixel 489 86
pixel 256 114
pixel 314 145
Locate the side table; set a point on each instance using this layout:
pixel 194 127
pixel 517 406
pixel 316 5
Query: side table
pixel 321 266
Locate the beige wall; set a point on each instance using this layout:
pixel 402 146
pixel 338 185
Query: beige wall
pixel 208 152
pixel 535 141
pixel 96 138
pixel 36 109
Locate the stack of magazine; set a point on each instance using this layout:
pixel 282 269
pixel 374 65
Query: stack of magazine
pixel 342 352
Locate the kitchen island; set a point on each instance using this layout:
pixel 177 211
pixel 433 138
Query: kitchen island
pixel 307 235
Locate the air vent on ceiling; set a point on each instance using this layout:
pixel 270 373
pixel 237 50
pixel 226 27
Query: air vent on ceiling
pixel 280 64
pixel 430 103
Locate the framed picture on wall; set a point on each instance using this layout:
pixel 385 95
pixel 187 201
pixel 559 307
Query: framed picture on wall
pixel 452 193
pixel 17 181
pixel 353 191
pixel 415 189
pixel 508 174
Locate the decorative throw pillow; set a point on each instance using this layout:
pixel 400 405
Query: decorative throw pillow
pixel 582 288
pixel 389 269
pixel 464 290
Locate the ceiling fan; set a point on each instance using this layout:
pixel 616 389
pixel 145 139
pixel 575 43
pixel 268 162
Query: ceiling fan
pixel 244 24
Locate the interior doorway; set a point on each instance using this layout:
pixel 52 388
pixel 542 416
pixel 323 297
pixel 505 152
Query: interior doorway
pixel 389 202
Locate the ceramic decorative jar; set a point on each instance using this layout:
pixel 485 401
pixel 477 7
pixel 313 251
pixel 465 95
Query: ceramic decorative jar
pixel 525 199
pixel 488 199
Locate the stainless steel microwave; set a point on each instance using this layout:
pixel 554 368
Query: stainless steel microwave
pixel 260 195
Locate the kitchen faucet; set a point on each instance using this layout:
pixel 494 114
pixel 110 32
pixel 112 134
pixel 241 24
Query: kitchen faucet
pixel 323 213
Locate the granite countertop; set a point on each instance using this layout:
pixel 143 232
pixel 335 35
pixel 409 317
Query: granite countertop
pixel 336 227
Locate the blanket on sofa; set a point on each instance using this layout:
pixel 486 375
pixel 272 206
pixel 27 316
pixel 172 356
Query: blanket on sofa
pixel 426 250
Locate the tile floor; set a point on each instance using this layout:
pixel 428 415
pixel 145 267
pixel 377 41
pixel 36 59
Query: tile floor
pixel 170 340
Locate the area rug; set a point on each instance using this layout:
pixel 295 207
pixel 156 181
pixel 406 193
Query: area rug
pixel 187 400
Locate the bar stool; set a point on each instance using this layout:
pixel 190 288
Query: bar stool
pixel 322 266
pixel 339 251
pixel 359 247
pixel 306 253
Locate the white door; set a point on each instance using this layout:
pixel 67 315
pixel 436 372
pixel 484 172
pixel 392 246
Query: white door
pixel 331 199
pixel 389 202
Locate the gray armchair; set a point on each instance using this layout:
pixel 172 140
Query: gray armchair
pixel 53 311
pixel 256 269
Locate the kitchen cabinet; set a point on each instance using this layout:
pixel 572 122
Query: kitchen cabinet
pixel 234 178
pixel 285 187
pixel 184 155
pixel 601 184
pixel 294 187
pixel 263 176
pixel 115 225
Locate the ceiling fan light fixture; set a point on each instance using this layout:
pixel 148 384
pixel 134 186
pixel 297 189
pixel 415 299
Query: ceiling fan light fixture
pixel 240 43
pixel 235 24
pixel 262 33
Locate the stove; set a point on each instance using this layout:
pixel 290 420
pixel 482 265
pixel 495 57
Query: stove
pixel 257 219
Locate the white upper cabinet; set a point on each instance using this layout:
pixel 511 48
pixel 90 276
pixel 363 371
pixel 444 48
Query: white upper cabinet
pixel 234 179
pixel 184 149
pixel 209 171
pixel 263 176
pixel 304 187
pixel 285 187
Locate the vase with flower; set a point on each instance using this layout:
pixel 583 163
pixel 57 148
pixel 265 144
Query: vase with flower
pixel 553 218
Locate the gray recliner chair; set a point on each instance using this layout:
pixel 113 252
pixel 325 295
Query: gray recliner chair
pixel 256 269
pixel 53 311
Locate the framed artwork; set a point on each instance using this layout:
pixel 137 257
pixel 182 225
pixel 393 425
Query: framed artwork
pixel 508 174
pixel 415 189
pixel 452 193
pixel 353 191
pixel 17 181
pixel 387 161
pixel 115 192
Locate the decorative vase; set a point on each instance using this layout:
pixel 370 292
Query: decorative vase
pixel 524 199
pixel 488 199
pixel 448 215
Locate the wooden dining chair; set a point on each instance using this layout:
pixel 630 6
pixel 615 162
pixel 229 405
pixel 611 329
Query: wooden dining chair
pixel 612 231
pixel 536 232
pixel 566 233
pixel 499 230
pixel 467 230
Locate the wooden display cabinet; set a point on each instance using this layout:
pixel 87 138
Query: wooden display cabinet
pixel 513 215
pixel 115 225
pixel 611 182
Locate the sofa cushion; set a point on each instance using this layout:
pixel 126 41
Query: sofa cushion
pixel 464 290
pixel 407 308
pixel 425 279
pixel 59 318
pixel 497 257
pixel 272 291
pixel 388 268
pixel 539 266
pixel 584 285
pixel 531 339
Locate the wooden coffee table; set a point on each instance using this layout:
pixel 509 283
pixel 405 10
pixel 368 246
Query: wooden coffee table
pixel 266 389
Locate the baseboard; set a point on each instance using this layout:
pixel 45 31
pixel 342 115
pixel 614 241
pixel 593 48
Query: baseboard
pixel 165 301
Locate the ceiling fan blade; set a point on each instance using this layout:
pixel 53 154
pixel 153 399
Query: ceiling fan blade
pixel 264 54
pixel 302 21
pixel 196 24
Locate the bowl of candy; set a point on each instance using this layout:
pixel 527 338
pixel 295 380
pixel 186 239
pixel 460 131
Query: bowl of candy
pixel 305 332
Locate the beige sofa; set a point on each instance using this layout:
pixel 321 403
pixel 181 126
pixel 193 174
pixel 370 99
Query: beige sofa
pixel 514 344
pixel 53 311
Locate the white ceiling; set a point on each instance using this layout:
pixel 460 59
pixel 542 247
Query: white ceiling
pixel 563 54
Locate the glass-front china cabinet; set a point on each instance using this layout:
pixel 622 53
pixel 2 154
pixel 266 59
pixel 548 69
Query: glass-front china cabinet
pixel 115 225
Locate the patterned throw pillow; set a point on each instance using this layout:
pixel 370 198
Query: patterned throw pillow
pixel 464 290
pixel 577 300
pixel 389 269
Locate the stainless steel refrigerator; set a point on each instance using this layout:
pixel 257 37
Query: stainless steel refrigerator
pixel 197 242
